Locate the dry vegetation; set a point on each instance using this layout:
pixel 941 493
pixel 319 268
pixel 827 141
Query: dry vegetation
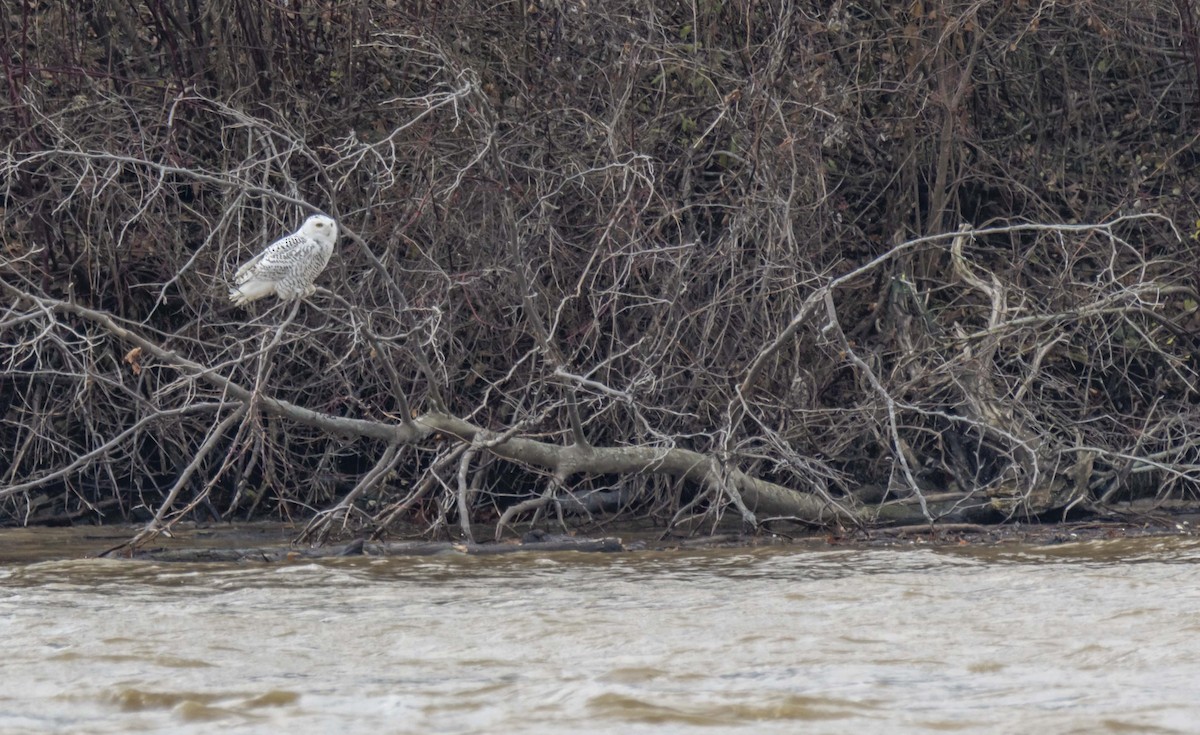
pixel 764 260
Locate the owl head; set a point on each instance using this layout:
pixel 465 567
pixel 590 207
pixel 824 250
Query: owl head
pixel 320 228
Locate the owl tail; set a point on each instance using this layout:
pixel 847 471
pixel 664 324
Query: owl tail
pixel 251 290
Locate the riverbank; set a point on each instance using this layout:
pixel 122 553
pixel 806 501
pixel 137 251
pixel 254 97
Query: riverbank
pixel 274 542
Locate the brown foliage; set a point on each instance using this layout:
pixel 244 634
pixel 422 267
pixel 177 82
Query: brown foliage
pixel 615 224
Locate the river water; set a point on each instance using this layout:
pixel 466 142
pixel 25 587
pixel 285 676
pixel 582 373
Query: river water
pixel 1076 638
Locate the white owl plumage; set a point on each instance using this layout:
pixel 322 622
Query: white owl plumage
pixel 288 266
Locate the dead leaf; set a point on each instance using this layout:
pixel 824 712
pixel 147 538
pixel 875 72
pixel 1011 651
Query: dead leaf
pixel 133 358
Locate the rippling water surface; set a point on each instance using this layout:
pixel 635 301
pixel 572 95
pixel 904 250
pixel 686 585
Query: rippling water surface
pixel 1089 637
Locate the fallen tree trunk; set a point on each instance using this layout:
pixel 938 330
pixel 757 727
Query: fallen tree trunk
pixel 755 497
pixel 271 554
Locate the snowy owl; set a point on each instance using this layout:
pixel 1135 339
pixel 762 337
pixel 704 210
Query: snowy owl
pixel 288 266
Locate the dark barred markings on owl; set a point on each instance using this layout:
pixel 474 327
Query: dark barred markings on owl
pixel 288 266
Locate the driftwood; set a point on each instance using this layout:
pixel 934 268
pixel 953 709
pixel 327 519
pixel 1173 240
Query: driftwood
pixel 934 530
pixel 272 554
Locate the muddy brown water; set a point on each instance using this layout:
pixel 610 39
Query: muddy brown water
pixel 1100 636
